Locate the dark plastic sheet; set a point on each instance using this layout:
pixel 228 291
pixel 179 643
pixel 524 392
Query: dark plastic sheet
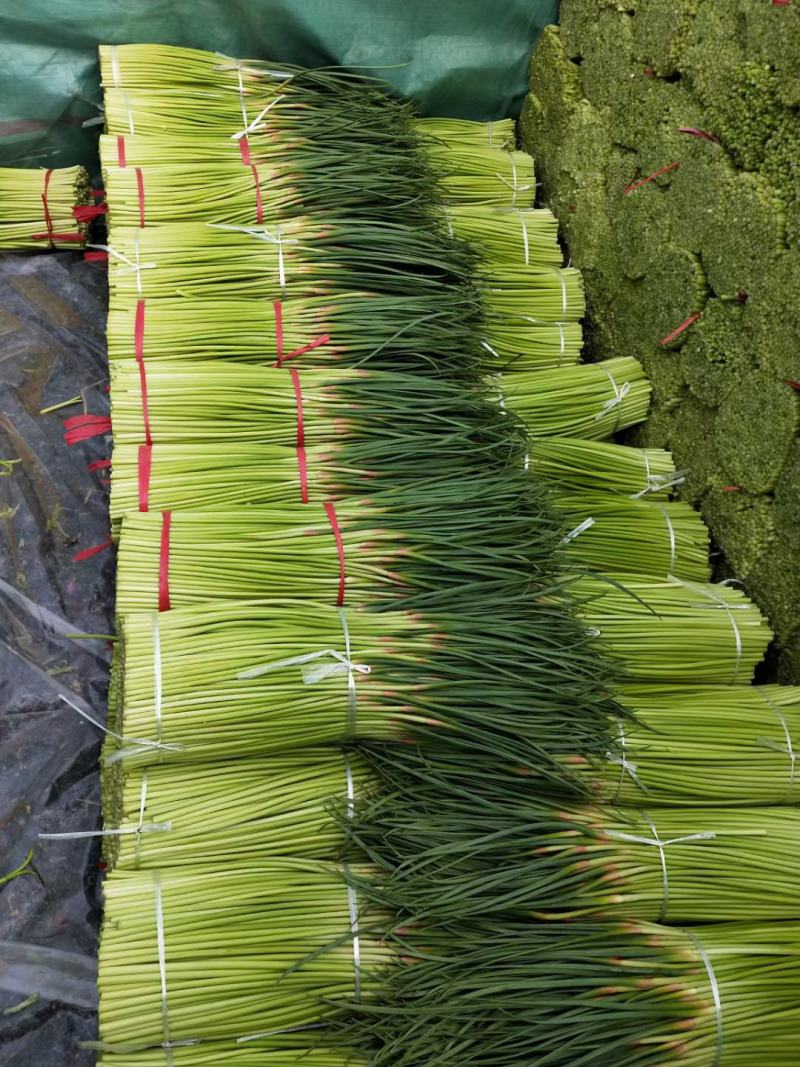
pixel 52 347
pixel 460 58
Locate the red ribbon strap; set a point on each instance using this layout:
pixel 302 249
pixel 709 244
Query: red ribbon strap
pixel 84 427
pixel 121 161
pixel 679 330
pixel 87 553
pixel 87 212
pixel 330 511
pixel 140 188
pixel 323 339
pixel 145 466
pixel 301 439
pixel 96 257
pixel 138 336
pixel 244 148
pixel 47 219
pixel 99 464
pixel 163 563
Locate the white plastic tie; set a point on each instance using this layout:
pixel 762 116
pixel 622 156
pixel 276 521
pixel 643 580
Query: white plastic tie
pixel 162 966
pixel 261 233
pixel 788 748
pixel 582 527
pixel 662 845
pixel 673 548
pixel 139 742
pixel 130 266
pixel 626 766
pixel 314 670
pixel 718 602
pixel 525 244
pixel 115 66
pixel 712 980
pixel 615 402
pixel 256 124
pixel 352 899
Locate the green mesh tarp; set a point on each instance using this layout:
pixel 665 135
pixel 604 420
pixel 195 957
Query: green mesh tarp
pixel 460 58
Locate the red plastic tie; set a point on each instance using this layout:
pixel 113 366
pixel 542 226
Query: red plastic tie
pixel 97 192
pixel 683 326
pixel 323 339
pixel 704 134
pixel 145 466
pixel 96 257
pixel 73 236
pixel 259 202
pixel 47 218
pixel 99 464
pixel 792 383
pixel 781 3
pixel 731 488
pixel 651 177
pixel 163 563
pixel 121 161
pixel 138 337
pixel 87 212
pixel 302 462
pixel 87 553
pixel 84 427
pixel 244 148
pixel 330 511
pixel 140 188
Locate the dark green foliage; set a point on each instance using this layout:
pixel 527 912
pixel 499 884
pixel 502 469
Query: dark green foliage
pixel 756 448
pixel 727 217
pixel 718 350
pixel 743 526
pixel 660 32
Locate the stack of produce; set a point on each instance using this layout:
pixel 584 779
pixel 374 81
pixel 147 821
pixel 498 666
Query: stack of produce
pixel 479 863
pixel 41 209
pixel 295 326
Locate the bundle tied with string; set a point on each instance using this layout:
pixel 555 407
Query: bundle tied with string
pixel 591 401
pixel 500 134
pixel 453 859
pixel 405 334
pixel 422 547
pixel 44 209
pixel 641 993
pixel 254 678
pixel 642 536
pixel 219 812
pixel 303 257
pixel 702 745
pixel 575 465
pixel 196 954
pixel 477 174
pixel 674 630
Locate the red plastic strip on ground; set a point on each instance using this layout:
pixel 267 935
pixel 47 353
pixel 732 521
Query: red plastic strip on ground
pixel 85 427
pixel 87 553
pixel 99 464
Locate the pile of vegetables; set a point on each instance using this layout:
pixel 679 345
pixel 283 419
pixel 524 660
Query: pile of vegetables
pixel 42 209
pixel 414 661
